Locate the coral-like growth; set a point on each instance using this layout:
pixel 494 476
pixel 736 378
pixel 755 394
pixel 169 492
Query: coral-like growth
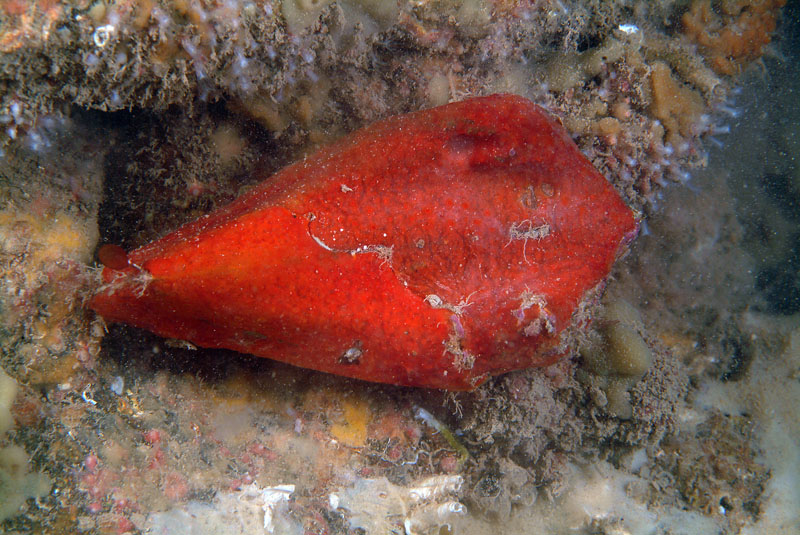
pixel 735 33
pixel 679 108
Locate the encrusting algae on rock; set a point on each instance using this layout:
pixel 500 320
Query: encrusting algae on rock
pixel 194 102
pixel 432 249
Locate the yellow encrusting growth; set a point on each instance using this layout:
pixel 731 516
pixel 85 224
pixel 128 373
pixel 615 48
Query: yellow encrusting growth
pixel 351 429
pixel 43 254
pixel 51 236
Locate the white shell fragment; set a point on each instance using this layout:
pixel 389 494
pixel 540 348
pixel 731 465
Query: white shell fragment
pixel 629 28
pixel 273 499
pixel 379 507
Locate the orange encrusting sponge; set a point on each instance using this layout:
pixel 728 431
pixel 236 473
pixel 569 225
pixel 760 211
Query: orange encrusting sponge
pixel 431 249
